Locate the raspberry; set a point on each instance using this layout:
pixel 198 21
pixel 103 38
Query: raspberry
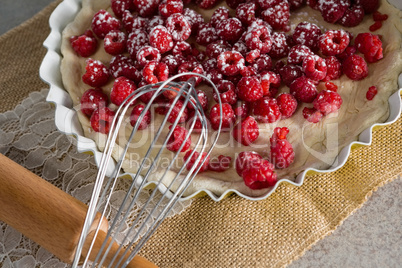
pixel 122 88
pixel 202 98
pixel 132 23
pixel 327 102
pixel 313 4
pixel 146 8
pixel 147 54
pixel 264 4
pixel 245 160
pixel 245 12
pixel 230 29
pixel 312 115
pixel 303 89
pixel 240 47
pixel 298 53
pixel 377 16
pixel 350 50
pixel 295 4
pixel 206 34
pixel 172 62
pixel 120 65
pixel 161 39
pixel 258 37
pixel 278 66
pixel 263 63
pixel 260 22
pixel 206 4
pixel 246 131
pixel 234 3
pixel 178 109
pixel 220 164
pixel 103 22
pixel 353 16
pixel 331 86
pixel 182 49
pixel 84 45
pixel 234 79
pixel 249 89
pixel 266 110
pixel 170 7
pixel 209 64
pixel 119 6
pixel 136 114
pixel 248 71
pixel 282 154
pixel 196 158
pixel 289 73
pixel 369 6
pixel 252 55
pixel 146 97
pixel 230 62
pixel 278 16
pixel 287 104
pixel 269 80
pixel 177 139
pixel 170 94
pixel 96 75
pixel 279 47
pixel 198 125
pixel 226 92
pixel 191 66
pixel 307 34
pixel 215 75
pixel 135 41
pixel 375 26
pixel 371 92
pixel 333 42
pixel 260 175
pixel 101 120
pixel 332 11
pixel 215 48
pixel 178 26
pixel 241 109
pixel 290 41
pixel 370 45
pixel 161 106
pixel 220 14
pixel 155 72
pixel 155 21
pixel 195 19
pixel 334 70
pixel 197 54
pixel 114 42
pixel 355 67
pixel 315 67
pixel 228 116
pixel 93 99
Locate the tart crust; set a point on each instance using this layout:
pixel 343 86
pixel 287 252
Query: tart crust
pixel 315 145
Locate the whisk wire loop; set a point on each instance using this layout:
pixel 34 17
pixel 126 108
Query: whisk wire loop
pixel 102 192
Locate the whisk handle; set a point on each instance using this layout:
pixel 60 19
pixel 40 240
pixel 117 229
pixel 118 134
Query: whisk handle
pixel 43 212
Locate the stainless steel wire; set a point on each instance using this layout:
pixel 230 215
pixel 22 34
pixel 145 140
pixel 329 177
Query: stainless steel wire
pixel 105 185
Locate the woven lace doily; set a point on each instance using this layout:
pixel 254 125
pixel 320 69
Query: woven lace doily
pixel 29 137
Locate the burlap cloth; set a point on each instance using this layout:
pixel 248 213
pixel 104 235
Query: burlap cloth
pixel 234 232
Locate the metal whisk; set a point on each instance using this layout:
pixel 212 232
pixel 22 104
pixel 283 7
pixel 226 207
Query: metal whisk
pixel 105 186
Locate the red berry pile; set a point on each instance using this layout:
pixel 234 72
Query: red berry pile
pixel 263 72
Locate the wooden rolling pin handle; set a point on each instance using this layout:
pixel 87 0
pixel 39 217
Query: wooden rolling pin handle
pixel 44 213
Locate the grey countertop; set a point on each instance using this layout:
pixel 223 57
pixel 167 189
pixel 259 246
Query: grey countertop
pixel 371 237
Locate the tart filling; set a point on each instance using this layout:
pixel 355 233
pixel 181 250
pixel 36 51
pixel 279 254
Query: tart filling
pixel 288 107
